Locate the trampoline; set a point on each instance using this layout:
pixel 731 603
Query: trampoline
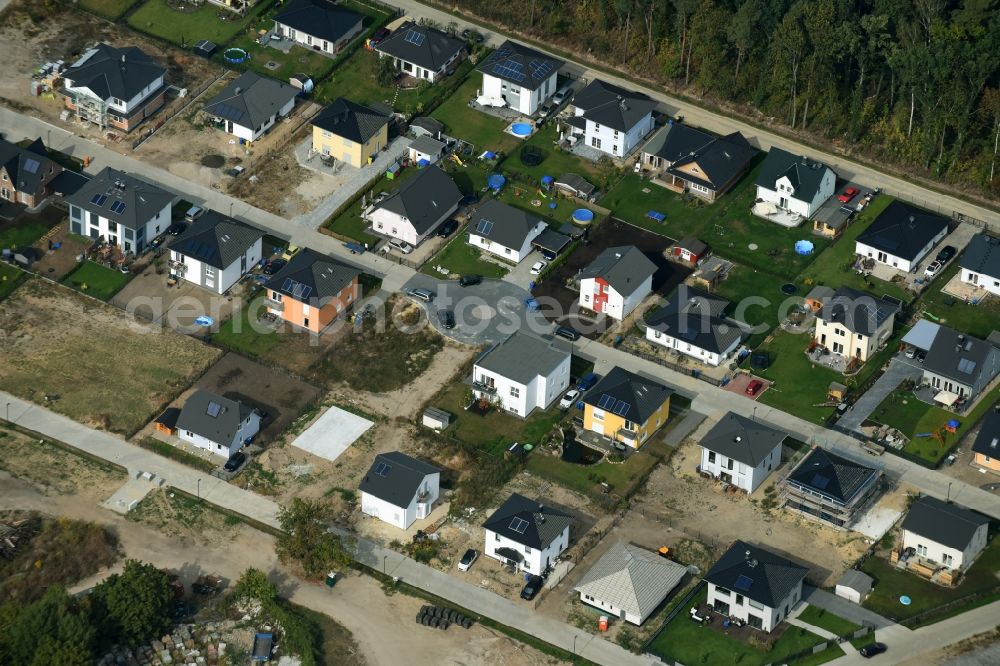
pixel 788 289
pixel 531 156
pixel 235 55
pixel 656 216
pixel 804 247
pixel 583 216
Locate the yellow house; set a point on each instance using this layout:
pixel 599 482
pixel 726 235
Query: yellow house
pixel 626 408
pixel 986 448
pixel 349 132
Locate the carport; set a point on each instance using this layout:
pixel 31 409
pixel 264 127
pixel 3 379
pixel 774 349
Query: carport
pixel 550 240
pixel 922 335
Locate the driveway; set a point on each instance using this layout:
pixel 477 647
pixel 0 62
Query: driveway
pixel 843 608
pixel 900 369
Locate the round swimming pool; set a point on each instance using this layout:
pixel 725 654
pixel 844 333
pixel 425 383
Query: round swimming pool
pixel 583 216
pixel 235 55
pixel 204 320
pixel 521 129
pixel 804 247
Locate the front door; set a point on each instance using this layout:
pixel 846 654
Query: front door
pixel 883 257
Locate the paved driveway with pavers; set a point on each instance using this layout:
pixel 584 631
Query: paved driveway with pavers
pixel 900 369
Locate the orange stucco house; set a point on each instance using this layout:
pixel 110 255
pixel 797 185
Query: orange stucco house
pixel 312 291
pixel 986 448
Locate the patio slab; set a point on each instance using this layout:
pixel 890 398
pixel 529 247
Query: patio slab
pixel 331 434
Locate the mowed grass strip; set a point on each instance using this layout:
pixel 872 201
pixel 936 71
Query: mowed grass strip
pixel 96 280
pixel 185 28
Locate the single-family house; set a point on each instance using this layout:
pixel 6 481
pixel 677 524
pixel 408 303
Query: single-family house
pixel 944 534
pixel 574 185
pixel 795 183
pixel 616 281
pixel 981 263
pixel 692 323
pixel 519 77
pixel 350 132
pixel 250 105
pixel 526 534
pixel 425 151
pixel 629 582
pixel 312 290
pixel 986 447
pixel 421 51
pixel 523 373
pixel 626 407
pixel 399 489
pixel 215 252
pixel 610 119
pixel 959 366
pixel 217 424
pixel 830 489
pixel 690 250
pixel 416 209
pixel 121 208
pixel 320 25
pixel 686 159
pixel 855 324
pixel 901 236
pixel 503 230
pixel 754 585
pixel 854 586
pixel 742 452
pixel 25 173
pixel 114 87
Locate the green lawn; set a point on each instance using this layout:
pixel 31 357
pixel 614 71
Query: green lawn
pixel 978 320
pixel 237 333
pixel 555 161
pixel 96 280
pixel 819 617
pixel 461 258
pixel 482 130
pixel 891 583
pixel 745 283
pixel 187 27
pixel 691 643
pixel 833 267
pixel 297 60
pixel 109 9
pixel 25 233
pixel 798 384
pixel 10 278
pixel 522 196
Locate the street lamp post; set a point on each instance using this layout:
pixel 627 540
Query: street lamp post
pixel 383 564
pixel 574 645
pixel 199 488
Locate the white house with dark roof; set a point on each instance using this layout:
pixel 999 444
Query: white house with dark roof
pixel 215 252
pixel 416 209
pixel 121 208
pixel 217 424
pixel 616 281
pixel 944 534
pixel 518 77
pixel 250 105
pixel 981 263
pixel 741 451
pixel 629 582
pixel 795 183
pixel 421 51
pixel 854 324
pixel 523 373
pixel 901 236
pixel 692 323
pixel 610 119
pixel 399 489
pixel 112 86
pixel 503 230
pixel 754 585
pixel 526 534
pixel 687 159
pixel 320 25
pixel 829 488
pixel 958 365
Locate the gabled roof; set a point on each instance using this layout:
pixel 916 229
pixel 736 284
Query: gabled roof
pixel 903 230
pixel 692 245
pixel 421 45
pixel 830 475
pixel 527 522
pixel 805 175
pixel 757 574
pixel 632 579
pixel 395 478
pixel 502 223
pixel 215 418
pixel 982 255
pixel 524 356
pixel 575 182
pixel 942 522
pixel 625 268
pixel 216 240
pixel 424 200
pixel 121 198
pixel 110 72
pixel 350 120
pixel 856 580
pixel 311 277
pixel 628 395
pixel 676 141
pixel 961 357
pixel 988 440
pixel 614 107
pixel 251 100
pixel 427 145
pixel 319 18
pixel 696 317
pixel 742 439
pixel 27 166
pixel 858 311
pixel 520 64
pixel 719 161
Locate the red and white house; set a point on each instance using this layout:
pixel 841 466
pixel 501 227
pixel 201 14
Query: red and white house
pixel 616 281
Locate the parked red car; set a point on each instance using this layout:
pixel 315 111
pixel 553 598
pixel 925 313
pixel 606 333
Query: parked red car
pixel 848 194
pixel 754 387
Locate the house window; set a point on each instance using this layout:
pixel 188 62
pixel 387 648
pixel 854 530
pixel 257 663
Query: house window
pixel 947 559
pixel 597 127
pixel 711 456
pixel 754 604
pixel 506 250
pixel 739 599
pixel 527 550
pixel 275 296
pixel 496 537
pixel 722 592
pixel 595 142
pixel 755 622
pixel 209 271
pixel 922 550
pixel 515 392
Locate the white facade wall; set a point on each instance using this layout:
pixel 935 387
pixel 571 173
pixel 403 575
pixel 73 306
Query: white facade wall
pixel 249 428
pixel 982 280
pixel 848 593
pixel 783 195
pixel 94 225
pixel 311 42
pixel 743 476
pixel 512 254
pixel 522 399
pixel 396 226
pixel 613 142
pixel 952 558
pixel 252 134
pixel 686 348
pixel 898 262
pixel 522 99
pixel 836 337
pixel 535 560
pixel 123 107
pixel 617 306
pixel 420 72
pixel 399 516
pixel 741 607
pixel 611 610
pixel 214 279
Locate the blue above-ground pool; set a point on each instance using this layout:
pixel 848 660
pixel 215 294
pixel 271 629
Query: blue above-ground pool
pixel 235 55
pixel 204 321
pixel 804 247
pixel 520 129
pixel 583 216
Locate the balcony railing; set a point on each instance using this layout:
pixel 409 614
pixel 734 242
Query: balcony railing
pixel 274 305
pixel 484 388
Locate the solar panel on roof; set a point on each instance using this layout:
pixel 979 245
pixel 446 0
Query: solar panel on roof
pixel 118 206
pixel 621 408
pixel 415 37
pixel 743 583
pixel 820 481
pixel 99 199
pixel 301 291
pixel 287 285
pixel 383 468
pixel 484 227
pixel 31 165
pixel 518 525
pixel 966 365
pixel 227 112
pixel 887 242
pixel 540 68
pixel 606 401
pixel 213 409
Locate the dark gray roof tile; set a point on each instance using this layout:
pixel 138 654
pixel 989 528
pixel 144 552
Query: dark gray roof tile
pixel 425 200
pixel 395 477
pixel 421 45
pixel 742 439
pixel 758 574
pixel 942 522
pixel 543 524
pixel 216 240
pixel 903 230
pixel 352 121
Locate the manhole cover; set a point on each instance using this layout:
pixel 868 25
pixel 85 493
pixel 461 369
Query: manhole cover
pixel 752 246
pixel 270 64
pixel 213 161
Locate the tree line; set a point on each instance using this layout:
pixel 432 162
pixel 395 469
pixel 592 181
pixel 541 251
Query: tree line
pixel 910 83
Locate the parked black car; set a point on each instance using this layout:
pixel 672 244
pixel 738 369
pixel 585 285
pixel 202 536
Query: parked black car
pixel 946 253
pixel 235 462
pixel 469 280
pixel 447 229
pixel 873 649
pixel 532 588
pixel 176 229
pixel 568 333
pixel 274 266
pixel 447 319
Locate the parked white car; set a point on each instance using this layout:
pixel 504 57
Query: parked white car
pixel 402 246
pixel 471 555
pixel 538 267
pixel 569 399
pixel 932 269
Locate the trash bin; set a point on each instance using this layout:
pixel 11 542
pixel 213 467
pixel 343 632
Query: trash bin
pixel 331 579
